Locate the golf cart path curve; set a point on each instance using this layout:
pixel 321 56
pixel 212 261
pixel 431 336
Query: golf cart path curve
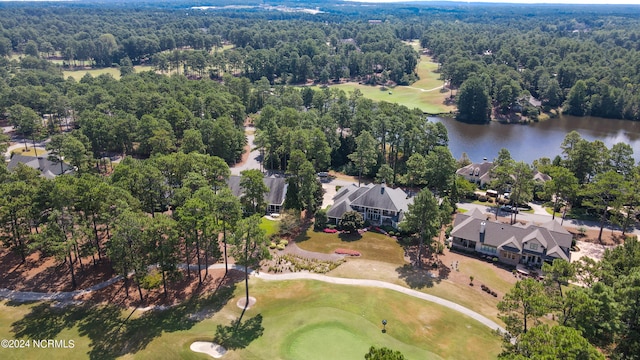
pixel 24 296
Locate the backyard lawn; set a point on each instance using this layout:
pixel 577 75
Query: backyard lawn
pixel 291 320
pixel 371 245
pixel 269 226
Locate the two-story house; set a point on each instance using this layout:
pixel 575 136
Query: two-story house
pixel 512 244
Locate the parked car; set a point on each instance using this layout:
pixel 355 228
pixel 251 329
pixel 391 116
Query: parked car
pixel 509 208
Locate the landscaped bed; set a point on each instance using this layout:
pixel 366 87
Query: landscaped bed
pixel 347 252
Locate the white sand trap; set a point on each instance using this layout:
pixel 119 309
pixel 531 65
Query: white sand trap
pixel 243 300
pixel 206 347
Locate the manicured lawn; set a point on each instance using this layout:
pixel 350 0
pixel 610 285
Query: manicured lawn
pixel 455 287
pixel 78 74
pixel 314 320
pixel 29 152
pixel 371 245
pixel 427 101
pixel 291 320
pixel 413 96
pixel 428 78
pixel 270 226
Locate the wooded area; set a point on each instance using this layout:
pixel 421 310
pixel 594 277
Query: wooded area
pixel 179 127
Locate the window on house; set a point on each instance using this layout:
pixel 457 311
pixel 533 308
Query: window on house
pixel 489 249
pixel 533 246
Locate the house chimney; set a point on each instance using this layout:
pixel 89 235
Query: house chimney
pixel 484 159
pixel 482 227
pixel 382 186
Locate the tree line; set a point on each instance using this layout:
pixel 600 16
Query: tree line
pixel 586 305
pixel 149 217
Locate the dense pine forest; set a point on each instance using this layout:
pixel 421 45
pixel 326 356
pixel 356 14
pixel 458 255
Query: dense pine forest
pixel 582 58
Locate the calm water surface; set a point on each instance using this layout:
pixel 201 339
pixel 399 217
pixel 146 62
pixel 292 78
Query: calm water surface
pixel 529 142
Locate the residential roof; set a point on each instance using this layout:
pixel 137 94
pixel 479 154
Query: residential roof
pixel 478 171
pixel 552 237
pixel 48 169
pixel 377 196
pixel 482 172
pixel 277 188
pixel 541 177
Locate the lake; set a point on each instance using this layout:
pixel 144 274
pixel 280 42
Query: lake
pixel 533 141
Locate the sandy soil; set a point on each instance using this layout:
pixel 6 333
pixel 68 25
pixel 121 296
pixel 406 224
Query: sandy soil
pixel 209 348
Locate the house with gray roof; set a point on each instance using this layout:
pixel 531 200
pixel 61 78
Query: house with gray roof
pixel 379 204
pixel 477 173
pixel 511 244
pixel 274 198
pixel 480 173
pixel 47 168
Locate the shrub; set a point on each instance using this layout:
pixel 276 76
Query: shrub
pixel 272 245
pixel 151 280
pixel 495 259
pixel 283 242
pixel 280 247
pixel 448 230
pixel 482 198
pixel 321 219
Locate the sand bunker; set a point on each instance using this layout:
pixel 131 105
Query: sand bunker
pixel 206 347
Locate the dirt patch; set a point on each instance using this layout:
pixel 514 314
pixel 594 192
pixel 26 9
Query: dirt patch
pixel 45 274
pixel 609 237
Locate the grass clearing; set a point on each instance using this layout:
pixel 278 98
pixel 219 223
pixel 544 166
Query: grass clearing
pixel 30 152
pixel 371 245
pixel 79 74
pixel 431 102
pixel 115 72
pixel 424 94
pixel 270 226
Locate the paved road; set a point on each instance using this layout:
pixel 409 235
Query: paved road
pixel 20 296
pixel 253 162
pixel 540 218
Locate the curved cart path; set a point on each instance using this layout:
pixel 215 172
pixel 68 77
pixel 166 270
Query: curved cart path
pixel 23 296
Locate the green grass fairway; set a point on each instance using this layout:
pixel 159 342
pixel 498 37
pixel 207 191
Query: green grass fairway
pixel 424 94
pixel 428 78
pixel 372 246
pixel 325 340
pixel 78 74
pixel 291 320
pixel 313 320
pixel 340 335
pixel 428 101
